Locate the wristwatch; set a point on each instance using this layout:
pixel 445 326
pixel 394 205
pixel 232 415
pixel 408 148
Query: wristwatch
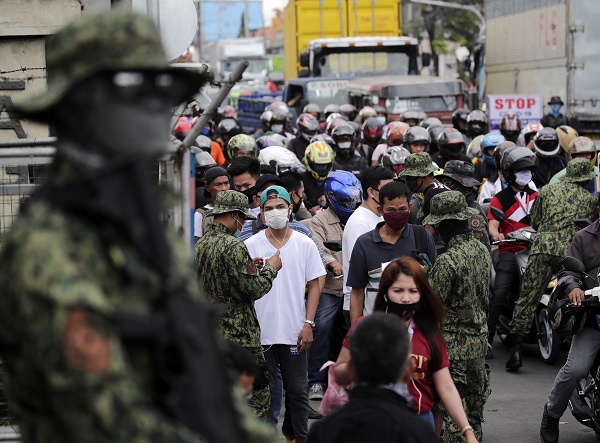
pixel 310 322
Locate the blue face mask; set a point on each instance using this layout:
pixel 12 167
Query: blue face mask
pixel 381 119
pixel 206 132
pixel 555 109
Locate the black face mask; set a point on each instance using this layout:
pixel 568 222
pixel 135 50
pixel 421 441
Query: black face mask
pixel 406 311
pixel 250 193
pixel 450 228
pixel 412 184
pixel 296 206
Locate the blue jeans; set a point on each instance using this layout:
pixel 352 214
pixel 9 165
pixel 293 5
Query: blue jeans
pixel 428 417
pixel 329 305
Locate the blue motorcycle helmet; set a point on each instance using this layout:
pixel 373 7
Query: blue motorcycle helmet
pixel 343 193
pixel 490 140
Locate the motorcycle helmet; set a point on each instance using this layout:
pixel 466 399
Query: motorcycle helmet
pixel 477 123
pixel 418 136
pixel 203 161
pixel 265 120
pixel 227 128
pixel 394 133
pixel 372 131
pixel 459 119
pixel 410 117
pixel 334 124
pixel 239 143
pixel 488 145
pixel 474 148
pixel 349 111
pixel 204 143
pixel 270 140
pixel 545 142
pixel 510 126
pixel 430 121
pixel 381 113
pixel 229 112
pixel 278 121
pixel 366 113
pixel 434 133
pixel 281 159
pixel 313 109
pixel 565 134
pixel 307 126
pixel 357 130
pixel 331 109
pixel 530 130
pixel 583 145
pixel 500 150
pixel 278 104
pixel 318 159
pixel 343 193
pixel 326 138
pixel 451 143
pixel 343 137
pixel 515 160
pixel 564 317
pixel 393 159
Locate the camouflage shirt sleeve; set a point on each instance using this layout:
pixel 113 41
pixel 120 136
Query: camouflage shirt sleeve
pixel 250 281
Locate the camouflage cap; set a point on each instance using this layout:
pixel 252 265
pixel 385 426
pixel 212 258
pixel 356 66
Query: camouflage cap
pixel 450 205
pixel 231 201
pixel 101 43
pixel 462 172
pixel 578 170
pixel 418 164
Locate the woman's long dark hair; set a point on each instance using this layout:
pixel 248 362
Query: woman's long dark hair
pixel 430 317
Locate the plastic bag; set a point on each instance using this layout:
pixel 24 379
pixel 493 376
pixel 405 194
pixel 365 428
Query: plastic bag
pixel 335 395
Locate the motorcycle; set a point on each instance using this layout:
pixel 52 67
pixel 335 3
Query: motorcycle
pixel 541 333
pixel 585 399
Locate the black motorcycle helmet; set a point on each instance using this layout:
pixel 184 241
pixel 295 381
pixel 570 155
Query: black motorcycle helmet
pixel 477 123
pixel 515 160
pixel 331 109
pixel 451 143
pixel 372 131
pixel 565 318
pixel 343 137
pixel 459 119
pixel 349 111
pixel 434 132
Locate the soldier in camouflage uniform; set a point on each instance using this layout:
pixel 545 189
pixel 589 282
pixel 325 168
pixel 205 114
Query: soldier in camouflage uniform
pixel 229 277
pixel 552 216
pixel 90 244
pixel 461 278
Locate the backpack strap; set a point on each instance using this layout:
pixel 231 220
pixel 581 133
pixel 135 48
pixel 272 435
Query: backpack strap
pixel 420 253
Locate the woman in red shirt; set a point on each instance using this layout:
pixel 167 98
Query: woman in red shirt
pixel 405 291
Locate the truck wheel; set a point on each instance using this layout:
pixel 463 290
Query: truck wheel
pixel 549 341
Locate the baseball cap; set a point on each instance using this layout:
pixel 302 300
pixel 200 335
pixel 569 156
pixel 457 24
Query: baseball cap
pixel 273 192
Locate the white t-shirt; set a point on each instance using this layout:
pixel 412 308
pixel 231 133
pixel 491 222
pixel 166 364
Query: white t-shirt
pixel 282 311
pixel 198 217
pixel 254 211
pixel 361 221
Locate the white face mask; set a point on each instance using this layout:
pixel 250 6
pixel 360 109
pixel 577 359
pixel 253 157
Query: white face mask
pixel 345 145
pixel 277 218
pixel 523 177
pixel 277 128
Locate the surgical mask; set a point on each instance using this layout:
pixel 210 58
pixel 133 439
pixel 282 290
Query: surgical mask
pixel 555 109
pixel 238 230
pixel 406 311
pixel 381 120
pixel 523 177
pixel 277 218
pixel 396 220
pixel 277 128
pixel 345 145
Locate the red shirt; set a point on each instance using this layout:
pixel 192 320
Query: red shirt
pixel 421 356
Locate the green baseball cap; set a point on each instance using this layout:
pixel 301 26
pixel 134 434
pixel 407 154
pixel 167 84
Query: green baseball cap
pixel 578 170
pixel 273 192
pixel 231 201
pixel 449 205
pixel 418 164
pixel 102 43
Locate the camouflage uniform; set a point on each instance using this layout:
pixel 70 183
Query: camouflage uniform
pixel 69 263
pixel 226 272
pixel 461 278
pixel 552 215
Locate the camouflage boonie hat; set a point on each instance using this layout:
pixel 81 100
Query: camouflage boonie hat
pixel 450 205
pixel 230 201
pixel 578 170
pixel 462 172
pixel 102 43
pixel 418 165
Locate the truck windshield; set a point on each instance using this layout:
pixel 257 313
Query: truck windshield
pixel 256 65
pixel 325 92
pixel 397 105
pixel 357 63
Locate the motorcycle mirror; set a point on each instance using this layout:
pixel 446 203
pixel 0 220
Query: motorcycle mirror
pixel 573 264
pixel 333 245
pixel 498 214
pixel 582 223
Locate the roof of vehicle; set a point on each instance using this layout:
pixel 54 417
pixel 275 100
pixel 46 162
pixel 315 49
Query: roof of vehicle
pixel 405 85
pixel 362 41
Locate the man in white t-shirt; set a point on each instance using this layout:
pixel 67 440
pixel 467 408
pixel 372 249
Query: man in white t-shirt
pixel 286 319
pixel 215 181
pixel 364 219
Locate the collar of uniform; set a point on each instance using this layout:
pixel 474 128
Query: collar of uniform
pixel 219 227
pixel 460 238
pixel 594 228
pixel 377 236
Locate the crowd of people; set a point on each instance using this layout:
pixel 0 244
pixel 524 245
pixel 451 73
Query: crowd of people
pixel 406 206
pixel 349 237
